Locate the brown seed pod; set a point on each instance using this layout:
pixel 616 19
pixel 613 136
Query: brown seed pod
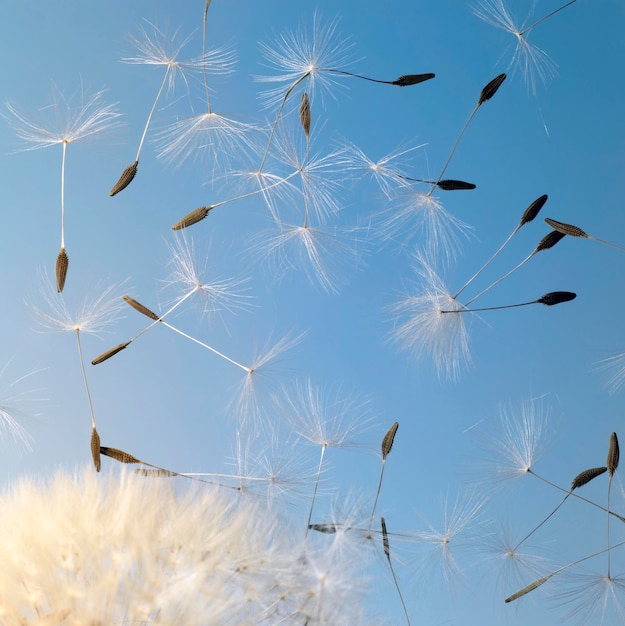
pixel 304 113
pixel 389 438
pixel 533 209
pixel 387 547
pixel 109 353
pixel 567 229
pixel 118 455
pixel 137 306
pixel 548 241
pixel 530 587
pixel 613 454
pixel 556 297
pixel 583 478
pixel 192 218
pixel 491 89
pixel 412 79
pixel 454 185
pixel 95 448
pixel 62 263
pixel 125 179
pixel 328 529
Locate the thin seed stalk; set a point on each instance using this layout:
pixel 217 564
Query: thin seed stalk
pixel 312 502
pixel 145 130
pixel 545 17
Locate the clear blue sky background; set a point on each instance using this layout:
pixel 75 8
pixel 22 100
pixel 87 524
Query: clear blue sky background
pixel 167 400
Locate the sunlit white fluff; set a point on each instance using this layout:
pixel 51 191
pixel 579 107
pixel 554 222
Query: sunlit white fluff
pixel 121 549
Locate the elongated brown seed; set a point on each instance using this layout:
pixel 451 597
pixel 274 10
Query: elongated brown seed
pixel 387 547
pixel 583 478
pixel 95 448
pixel 454 185
pixel 328 529
pixel 556 297
pixel 304 113
pixel 125 179
pixel 613 454
pixel 530 587
pixel 567 229
pixel 192 218
pixel 412 79
pixel 109 353
pixel 389 438
pixel 119 455
pixel 491 89
pixel 550 240
pixel 62 263
pixel 533 209
pixel 142 309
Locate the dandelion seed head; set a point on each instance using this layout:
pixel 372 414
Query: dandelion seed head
pixel 91 315
pixel 513 448
pixel 72 119
pixel 428 334
pixel 190 273
pixel 308 53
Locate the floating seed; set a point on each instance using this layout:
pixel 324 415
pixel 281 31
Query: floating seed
pixel 387 547
pixel 491 89
pixel 567 229
pixel 304 113
pixel 412 79
pixel 192 218
pixel 142 309
pixel 454 185
pixel 556 297
pixel 530 587
pixel 533 209
pixel 613 454
pixel 95 448
pixel 118 455
pixel 328 529
pixel 389 438
pixel 583 478
pixel 62 263
pixel 109 353
pixel 125 179
pixel 550 240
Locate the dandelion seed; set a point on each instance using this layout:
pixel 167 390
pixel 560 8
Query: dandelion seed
pixel 549 299
pixel 387 446
pixel 156 48
pixel 73 124
pixel 574 231
pixel 387 552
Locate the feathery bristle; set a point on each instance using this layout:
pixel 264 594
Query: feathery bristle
pixel 583 478
pixel 613 454
pixel 137 306
pixel 550 240
pixel 491 89
pixel 533 209
pixel 95 448
pixel 454 185
pixel 119 455
pixel 389 438
pixel 567 229
pixel 412 79
pixel 62 263
pixel 125 179
pixel 192 218
pixel 556 297
pixel 109 353
pixel 304 113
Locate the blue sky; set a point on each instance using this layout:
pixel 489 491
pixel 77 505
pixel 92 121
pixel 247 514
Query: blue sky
pixel 169 401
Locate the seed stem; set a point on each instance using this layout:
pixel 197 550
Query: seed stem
pixel 542 19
